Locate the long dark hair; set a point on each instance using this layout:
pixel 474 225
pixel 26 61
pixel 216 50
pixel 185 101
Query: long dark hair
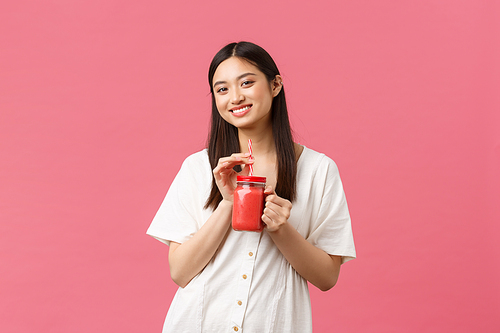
pixel 223 138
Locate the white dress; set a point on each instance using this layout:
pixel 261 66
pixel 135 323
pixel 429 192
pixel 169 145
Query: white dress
pixel 249 286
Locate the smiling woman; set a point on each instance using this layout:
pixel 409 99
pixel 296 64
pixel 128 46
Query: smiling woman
pixel 237 95
pixel 237 280
pixel 242 61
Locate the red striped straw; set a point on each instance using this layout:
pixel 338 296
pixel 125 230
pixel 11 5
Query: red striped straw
pixel 250 151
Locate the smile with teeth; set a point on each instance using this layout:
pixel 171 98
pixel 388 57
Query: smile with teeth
pixel 243 109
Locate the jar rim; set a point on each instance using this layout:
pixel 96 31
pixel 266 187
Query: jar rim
pixel 253 179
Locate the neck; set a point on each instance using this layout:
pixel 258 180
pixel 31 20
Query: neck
pixel 262 141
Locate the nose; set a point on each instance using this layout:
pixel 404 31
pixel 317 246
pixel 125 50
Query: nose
pixel 236 96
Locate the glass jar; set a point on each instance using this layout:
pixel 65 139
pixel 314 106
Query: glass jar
pixel 248 204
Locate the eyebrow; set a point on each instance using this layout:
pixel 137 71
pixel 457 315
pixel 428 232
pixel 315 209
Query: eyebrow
pixel 238 78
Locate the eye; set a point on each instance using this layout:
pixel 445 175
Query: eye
pixel 221 90
pixel 247 83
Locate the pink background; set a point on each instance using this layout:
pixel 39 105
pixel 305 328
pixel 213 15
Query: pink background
pixel 100 102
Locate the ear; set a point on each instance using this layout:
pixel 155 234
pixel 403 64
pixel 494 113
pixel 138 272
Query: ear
pixel 276 85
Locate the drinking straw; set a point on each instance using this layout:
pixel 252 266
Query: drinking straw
pixel 250 151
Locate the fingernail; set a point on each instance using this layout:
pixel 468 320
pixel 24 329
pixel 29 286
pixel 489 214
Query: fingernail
pixel 247 154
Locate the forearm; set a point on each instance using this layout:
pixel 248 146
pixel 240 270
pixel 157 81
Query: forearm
pixel 312 263
pixel 186 260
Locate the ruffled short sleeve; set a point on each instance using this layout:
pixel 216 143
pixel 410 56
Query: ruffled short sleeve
pixel 181 213
pixel 331 228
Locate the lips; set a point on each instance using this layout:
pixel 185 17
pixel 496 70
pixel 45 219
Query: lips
pixel 241 110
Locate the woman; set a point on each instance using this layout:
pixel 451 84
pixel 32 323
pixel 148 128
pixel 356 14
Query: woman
pixel 245 281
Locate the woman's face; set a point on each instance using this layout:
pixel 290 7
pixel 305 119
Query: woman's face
pixel 243 94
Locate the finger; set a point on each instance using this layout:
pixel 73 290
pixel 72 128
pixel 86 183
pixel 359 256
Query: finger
pixel 271 214
pixel 267 220
pixel 274 198
pixel 216 173
pixel 274 207
pixel 245 170
pixel 222 173
pixel 278 210
pixel 219 169
pixel 226 163
pixel 237 157
pixel 268 190
pixel 232 161
pixel 270 224
pixel 271 196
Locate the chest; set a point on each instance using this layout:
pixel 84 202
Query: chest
pixel 266 170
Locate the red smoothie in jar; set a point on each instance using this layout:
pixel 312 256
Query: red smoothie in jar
pixel 248 204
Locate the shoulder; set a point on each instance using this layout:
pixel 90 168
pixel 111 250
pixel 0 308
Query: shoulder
pixel 197 161
pixel 314 161
pixel 318 172
pixel 196 167
pixel 198 157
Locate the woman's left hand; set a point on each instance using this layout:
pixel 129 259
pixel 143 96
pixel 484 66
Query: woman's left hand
pixel 276 211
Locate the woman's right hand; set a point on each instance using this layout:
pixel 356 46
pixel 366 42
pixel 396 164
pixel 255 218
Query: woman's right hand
pixel 225 176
